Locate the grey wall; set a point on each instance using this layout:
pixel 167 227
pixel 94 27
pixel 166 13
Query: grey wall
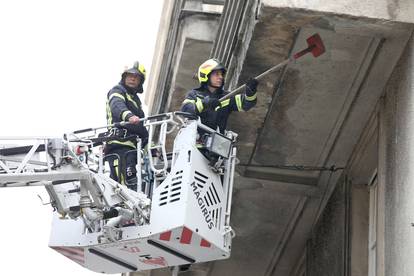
pixel 181 21
pixel 398 143
pixel 358 231
pixel 326 248
pixel 193 48
pixel 339 242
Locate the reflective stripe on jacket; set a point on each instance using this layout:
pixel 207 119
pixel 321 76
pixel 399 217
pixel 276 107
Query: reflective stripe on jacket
pixel 218 117
pixel 122 105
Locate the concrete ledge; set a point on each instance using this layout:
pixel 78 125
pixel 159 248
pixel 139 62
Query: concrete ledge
pixel 393 10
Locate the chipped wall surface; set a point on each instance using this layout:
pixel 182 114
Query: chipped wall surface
pixel 301 115
pixel 395 10
pixel 311 113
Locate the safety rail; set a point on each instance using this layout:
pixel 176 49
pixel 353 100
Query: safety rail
pixel 25 165
pixel 72 186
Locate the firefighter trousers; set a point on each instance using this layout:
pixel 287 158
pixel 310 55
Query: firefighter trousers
pixel 122 162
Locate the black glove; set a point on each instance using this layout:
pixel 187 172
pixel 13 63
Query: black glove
pixel 251 86
pixel 210 103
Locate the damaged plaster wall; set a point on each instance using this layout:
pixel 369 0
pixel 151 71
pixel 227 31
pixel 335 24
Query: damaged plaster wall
pixel 395 10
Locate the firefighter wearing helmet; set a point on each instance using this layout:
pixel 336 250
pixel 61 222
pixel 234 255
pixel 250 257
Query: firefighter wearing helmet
pixel 124 105
pixel 204 100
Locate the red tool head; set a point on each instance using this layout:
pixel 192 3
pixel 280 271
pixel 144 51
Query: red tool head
pixel 316 45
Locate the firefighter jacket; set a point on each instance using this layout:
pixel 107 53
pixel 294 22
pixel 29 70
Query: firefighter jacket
pixel 219 116
pixel 123 103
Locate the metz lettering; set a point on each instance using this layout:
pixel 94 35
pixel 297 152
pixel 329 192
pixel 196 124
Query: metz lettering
pixel 202 205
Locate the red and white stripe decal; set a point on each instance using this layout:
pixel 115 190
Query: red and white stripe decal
pixel 133 249
pixel 128 222
pixel 166 236
pixel 185 238
pixel 155 261
pixel 76 254
pixel 205 243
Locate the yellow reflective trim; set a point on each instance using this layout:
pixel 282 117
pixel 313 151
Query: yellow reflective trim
pixel 125 113
pixel 199 105
pixel 116 95
pixel 142 70
pixel 189 101
pixel 109 113
pixel 225 103
pixel 132 100
pixel 118 172
pixel 116 165
pixel 251 98
pixel 122 179
pixel 125 143
pixel 239 102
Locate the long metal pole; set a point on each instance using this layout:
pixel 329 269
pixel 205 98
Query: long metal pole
pixel 274 68
pixel 139 165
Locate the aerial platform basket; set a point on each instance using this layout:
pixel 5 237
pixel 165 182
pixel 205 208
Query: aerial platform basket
pixel 189 212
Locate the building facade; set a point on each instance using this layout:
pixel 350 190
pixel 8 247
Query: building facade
pixel 324 183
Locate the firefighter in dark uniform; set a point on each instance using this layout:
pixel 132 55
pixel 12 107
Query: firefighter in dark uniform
pixel 204 100
pixel 124 105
